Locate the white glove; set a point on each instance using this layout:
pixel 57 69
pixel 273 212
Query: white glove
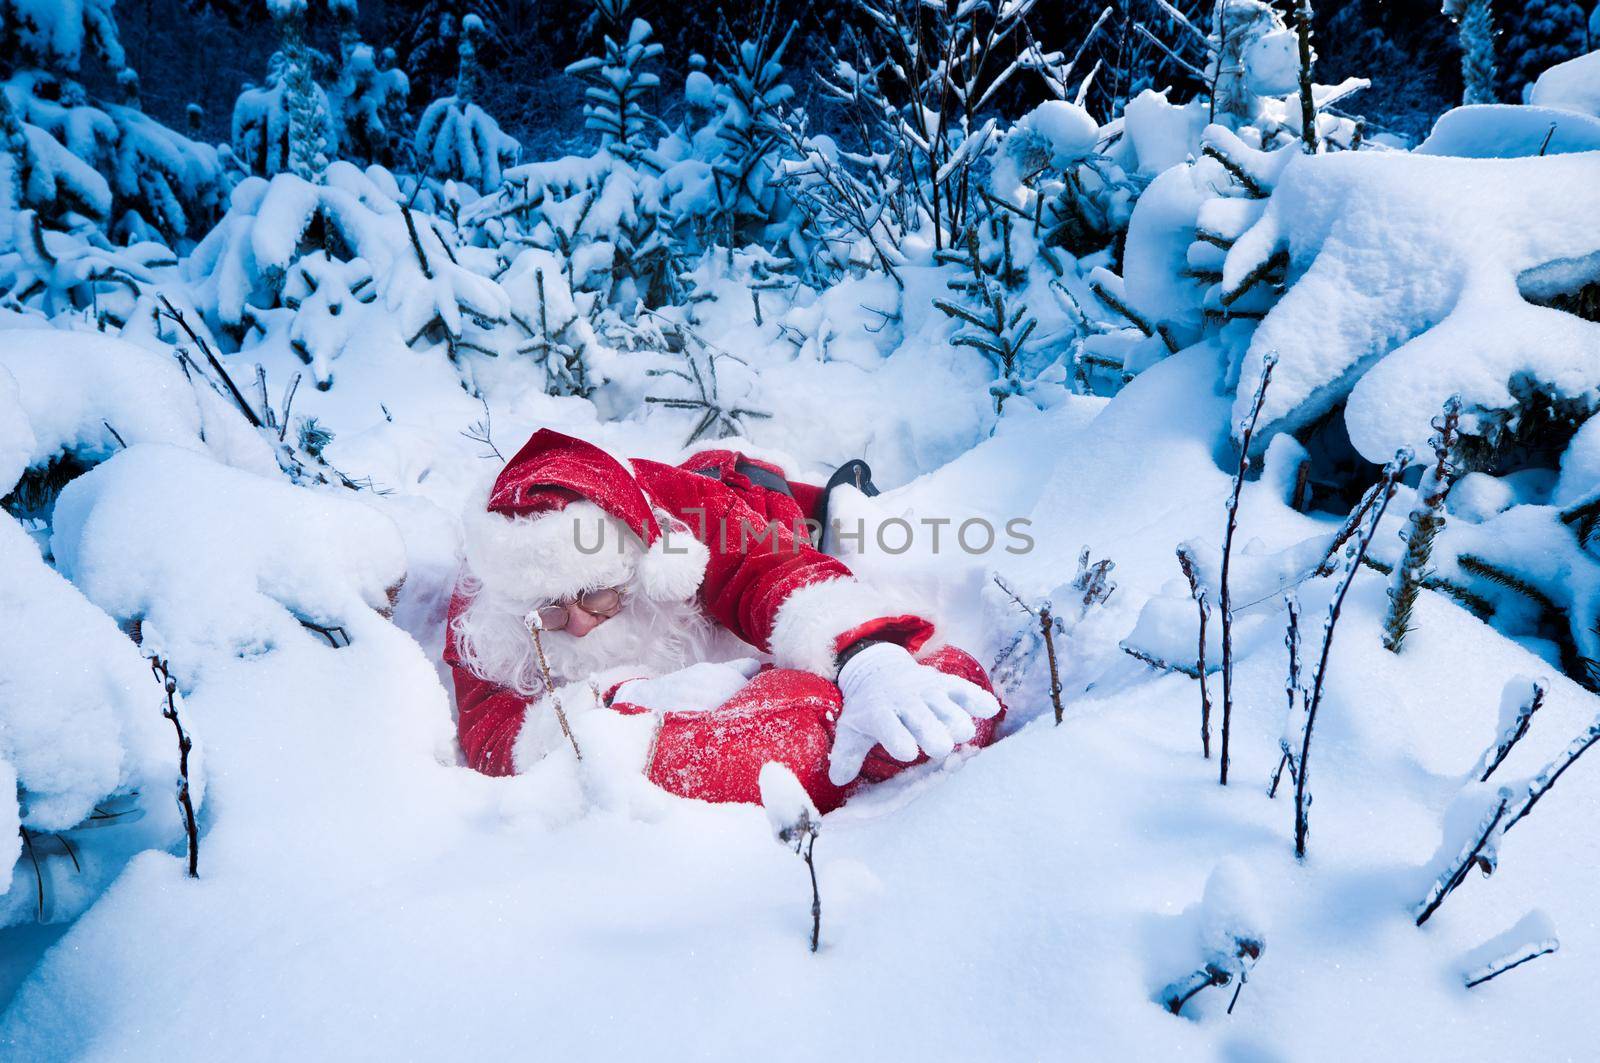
pixel 891 699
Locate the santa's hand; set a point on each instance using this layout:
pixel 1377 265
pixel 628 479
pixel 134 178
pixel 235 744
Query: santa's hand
pixel 891 699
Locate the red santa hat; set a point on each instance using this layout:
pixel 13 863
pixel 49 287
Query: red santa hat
pixel 564 516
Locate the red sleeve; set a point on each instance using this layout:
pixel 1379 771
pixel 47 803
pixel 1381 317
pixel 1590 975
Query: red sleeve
pixel 768 585
pixel 488 715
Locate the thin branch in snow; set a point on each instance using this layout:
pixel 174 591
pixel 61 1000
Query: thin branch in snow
pixel 482 431
pixel 177 317
pixel 1308 105
pixel 795 824
pixel 1483 851
pixel 1512 960
pixel 1202 602
pixel 550 686
pixel 1313 701
pixel 1479 852
pixel 169 686
pixel 1518 726
pixel 1247 430
pixel 1291 686
pixel 1047 628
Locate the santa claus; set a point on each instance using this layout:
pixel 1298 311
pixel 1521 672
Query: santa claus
pixel 642 589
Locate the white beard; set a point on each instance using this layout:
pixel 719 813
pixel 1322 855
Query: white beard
pixel 655 637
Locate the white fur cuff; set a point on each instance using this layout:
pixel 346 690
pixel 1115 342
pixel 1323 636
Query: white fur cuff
pixel 811 620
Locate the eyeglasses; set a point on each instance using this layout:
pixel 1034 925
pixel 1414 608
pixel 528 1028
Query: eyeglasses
pixel 605 604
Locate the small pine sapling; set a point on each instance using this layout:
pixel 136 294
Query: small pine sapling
pixel 993 324
pixel 1202 602
pixel 1424 524
pixel 1247 430
pixel 1313 697
pixel 795 824
pixel 1475 29
pixel 169 686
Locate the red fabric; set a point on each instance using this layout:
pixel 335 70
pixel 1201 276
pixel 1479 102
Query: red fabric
pixel 488 716
pixel 780 715
pixel 791 510
pixel 753 569
pixel 553 469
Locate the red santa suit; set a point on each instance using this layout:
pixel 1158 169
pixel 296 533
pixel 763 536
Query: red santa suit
pixel 720 529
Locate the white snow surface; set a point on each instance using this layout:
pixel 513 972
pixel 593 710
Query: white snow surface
pixel 1573 86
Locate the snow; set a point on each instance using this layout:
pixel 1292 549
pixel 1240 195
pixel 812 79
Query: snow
pixel 138 395
pixel 1272 63
pixel 294 556
pixel 1068 129
pixel 394 904
pixel 1571 86
pixel 1496 131
pixel 786 802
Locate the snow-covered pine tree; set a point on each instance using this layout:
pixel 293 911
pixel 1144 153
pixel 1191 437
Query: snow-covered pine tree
pixel 369 101
pixel 430 42
pixel 103 160
pixel 287 126
pixel 618 83
pixel 753 90
pixel 1540 34
pixel 1475 29
pixel 458 140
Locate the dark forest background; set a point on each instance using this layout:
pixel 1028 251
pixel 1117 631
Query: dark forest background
pixel 204 51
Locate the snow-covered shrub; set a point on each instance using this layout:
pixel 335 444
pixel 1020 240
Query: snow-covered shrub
pixel 458 140
pixel 296 558
pixel 1509 234
pixel 752 91
pixel 54 273
pixel 427 291
pixel 81 735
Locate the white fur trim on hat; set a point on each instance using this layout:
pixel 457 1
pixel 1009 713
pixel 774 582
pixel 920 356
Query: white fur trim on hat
pixel 811 619
pixel 546 556
pixel 674 565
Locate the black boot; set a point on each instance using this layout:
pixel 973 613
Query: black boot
pixel 857 474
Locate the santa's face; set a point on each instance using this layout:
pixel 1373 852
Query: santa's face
pixel 656 636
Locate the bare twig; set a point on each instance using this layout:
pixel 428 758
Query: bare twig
pixel 1302 765
pixel 169 686
pixel 550 689
pixel 1515 732
pixel 211 357
pixel 1247 432
pixel 1291 685
pixel 1526 954
pixel 1202 602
